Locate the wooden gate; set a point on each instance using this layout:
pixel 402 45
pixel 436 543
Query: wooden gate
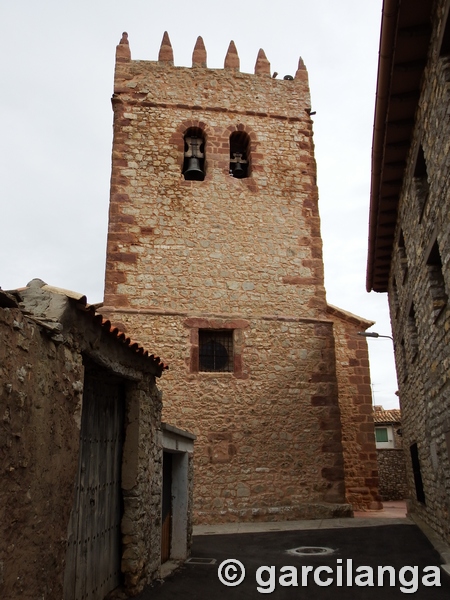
pixel 166 529
pixel 94 539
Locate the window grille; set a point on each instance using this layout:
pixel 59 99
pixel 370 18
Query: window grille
pixel 215 350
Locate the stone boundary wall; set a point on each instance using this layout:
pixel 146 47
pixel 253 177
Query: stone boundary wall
pixel 392 474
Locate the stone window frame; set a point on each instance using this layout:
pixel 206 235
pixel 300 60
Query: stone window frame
pixel 395 299
pixel 411 326
pixel 420 181
pixel 240 140
pixel 221 348
pixel 194 324
pixel 438 292
pixel 402 257
pixel 403 363
pixel 191 133
pixel 177 139
pixel 253 156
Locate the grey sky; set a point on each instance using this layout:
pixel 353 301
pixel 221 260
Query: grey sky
pixel 57 75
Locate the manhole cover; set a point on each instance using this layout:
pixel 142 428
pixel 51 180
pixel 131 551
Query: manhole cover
pixel 200 561
pixel 311 550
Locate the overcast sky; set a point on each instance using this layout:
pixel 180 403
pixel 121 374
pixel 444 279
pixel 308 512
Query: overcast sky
pixel 56 128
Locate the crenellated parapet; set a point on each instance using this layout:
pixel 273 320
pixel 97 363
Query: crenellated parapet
pixel 262 65
pixel 198 86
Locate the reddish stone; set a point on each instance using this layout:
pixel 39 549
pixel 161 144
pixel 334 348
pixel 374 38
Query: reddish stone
pixel 297 280
pixel 262 66
pixel 123 53
pixel 120 198
pixel 122 257
pixel 199 54
pixel 166 52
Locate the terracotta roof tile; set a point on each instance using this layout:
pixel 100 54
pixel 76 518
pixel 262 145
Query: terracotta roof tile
pixel 387 416
pixel 81 303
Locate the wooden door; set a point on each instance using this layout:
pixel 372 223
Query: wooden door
pixel 94 541
pixel 166 529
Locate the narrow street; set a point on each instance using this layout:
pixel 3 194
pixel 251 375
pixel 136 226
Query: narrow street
pixel 384 538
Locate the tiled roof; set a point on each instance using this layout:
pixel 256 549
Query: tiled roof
pixel 90 309
pixel 387 416
pixel 348 316
pixel 134 346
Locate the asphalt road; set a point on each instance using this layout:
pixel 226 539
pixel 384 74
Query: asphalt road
pixel 366 548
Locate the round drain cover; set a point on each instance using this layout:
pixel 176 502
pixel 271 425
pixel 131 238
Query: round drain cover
pixel 311 550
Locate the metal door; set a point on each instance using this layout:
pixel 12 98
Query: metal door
pixel 94 539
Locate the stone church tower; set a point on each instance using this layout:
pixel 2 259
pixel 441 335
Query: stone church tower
pixel 215 258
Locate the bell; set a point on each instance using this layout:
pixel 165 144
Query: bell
pixel 193 171
pixel 238 171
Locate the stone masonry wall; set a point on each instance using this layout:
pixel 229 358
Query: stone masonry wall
pixel 40 404
pixel 268 440
pixel 419 307
pixel 243 246
pixel 41 397
pixel 355 402
pixel 237 254
pixel 141 487
pixel 392 472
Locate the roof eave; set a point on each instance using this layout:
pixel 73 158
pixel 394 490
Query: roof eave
pixel 404 44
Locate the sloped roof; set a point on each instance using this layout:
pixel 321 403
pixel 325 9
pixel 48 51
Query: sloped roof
pixel 393 415
pixel 349 317
pixel 404 43
pixel 81 304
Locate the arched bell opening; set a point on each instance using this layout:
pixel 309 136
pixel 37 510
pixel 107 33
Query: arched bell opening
pixel 194 154
pixel 239 154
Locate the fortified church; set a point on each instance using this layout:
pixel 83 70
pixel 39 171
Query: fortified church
pixel 215 258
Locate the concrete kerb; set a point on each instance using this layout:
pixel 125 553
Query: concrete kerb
pixel 233 528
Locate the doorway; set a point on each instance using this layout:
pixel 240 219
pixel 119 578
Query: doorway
pixel 93 553
pixel 166 520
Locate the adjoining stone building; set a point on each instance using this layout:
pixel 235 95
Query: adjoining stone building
pixel 409 237
pixel 215 255
pixel 390 454
pixel 81 453
pixel 355 405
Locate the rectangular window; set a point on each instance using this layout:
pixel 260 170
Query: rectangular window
pixel 412 333
pixel 421 184
pixel 403 260
pixel 436 279
pixel 216 350
pixel 381 434
pixel 384 437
